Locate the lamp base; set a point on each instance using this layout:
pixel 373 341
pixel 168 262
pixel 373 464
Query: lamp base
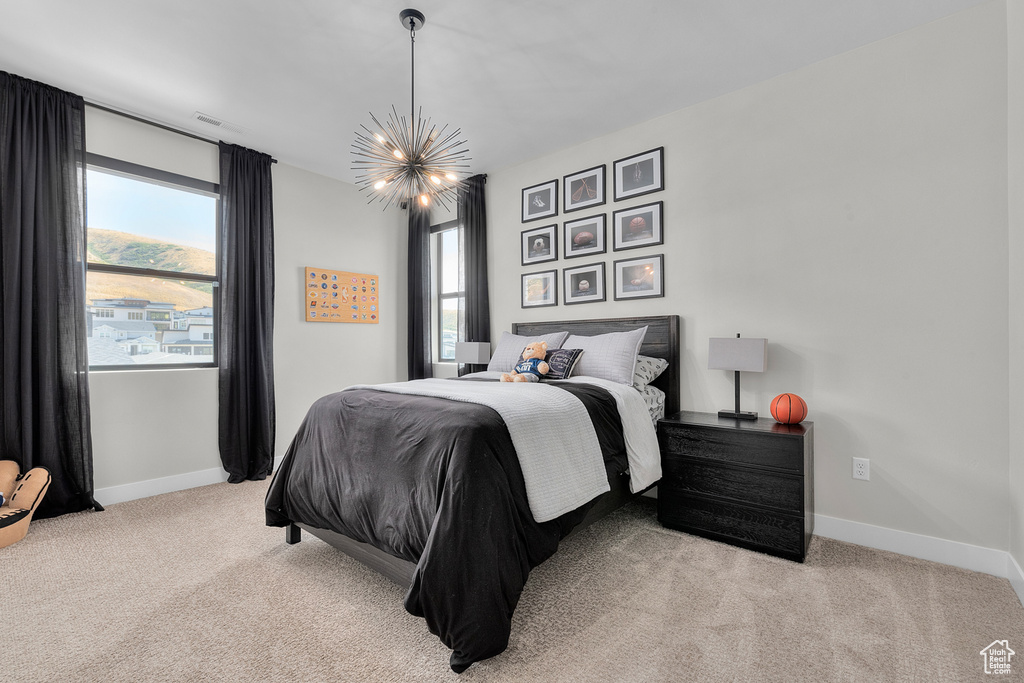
pixel 735 415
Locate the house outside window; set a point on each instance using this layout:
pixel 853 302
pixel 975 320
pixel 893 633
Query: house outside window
pixel 151 238
pixel 448 292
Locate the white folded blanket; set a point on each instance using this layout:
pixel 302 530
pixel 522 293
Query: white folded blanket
pixel 642 450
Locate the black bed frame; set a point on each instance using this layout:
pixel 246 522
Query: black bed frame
pixel 661 341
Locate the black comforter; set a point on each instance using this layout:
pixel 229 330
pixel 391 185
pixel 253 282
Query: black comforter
pixel 435 482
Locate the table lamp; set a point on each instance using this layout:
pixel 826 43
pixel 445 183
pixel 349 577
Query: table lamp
pixel 748 354
pixel 473 353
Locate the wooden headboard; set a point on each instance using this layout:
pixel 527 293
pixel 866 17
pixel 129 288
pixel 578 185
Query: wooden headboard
pixel 661 341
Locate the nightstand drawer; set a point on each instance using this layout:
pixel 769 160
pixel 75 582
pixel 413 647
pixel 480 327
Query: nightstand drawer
pixel 725 445
pixel 771 532
pixel 743 485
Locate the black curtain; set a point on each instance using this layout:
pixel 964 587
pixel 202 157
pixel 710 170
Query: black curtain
pixel 246 333
pixel 473 219
pixel 45 371
pixel 419 292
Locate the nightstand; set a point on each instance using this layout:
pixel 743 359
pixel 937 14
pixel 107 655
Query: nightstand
pixel 745 482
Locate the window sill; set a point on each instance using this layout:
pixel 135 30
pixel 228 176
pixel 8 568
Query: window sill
pixel 111 369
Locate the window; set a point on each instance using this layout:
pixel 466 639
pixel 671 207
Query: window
pixel 152 266
pixel 449 295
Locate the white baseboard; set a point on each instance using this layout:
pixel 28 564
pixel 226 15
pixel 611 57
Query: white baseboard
pixel 1016 576
pixel 154 487
pixel 962 555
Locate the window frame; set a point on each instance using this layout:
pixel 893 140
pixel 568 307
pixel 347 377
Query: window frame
pixel 441 296
pixel 177 182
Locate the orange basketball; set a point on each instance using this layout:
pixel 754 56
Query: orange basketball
pixel 788 409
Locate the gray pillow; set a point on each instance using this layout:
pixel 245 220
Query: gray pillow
pixel 608 356
pixel 511 345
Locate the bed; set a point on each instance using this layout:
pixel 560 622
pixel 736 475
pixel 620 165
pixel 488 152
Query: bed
pixel 435 493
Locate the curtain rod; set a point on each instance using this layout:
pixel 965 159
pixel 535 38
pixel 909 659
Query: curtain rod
pixel 133 117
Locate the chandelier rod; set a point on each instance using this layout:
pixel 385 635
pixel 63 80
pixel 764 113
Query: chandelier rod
pixel 412 80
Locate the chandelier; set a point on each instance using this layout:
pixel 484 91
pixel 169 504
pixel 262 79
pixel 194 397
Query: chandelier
pixel 404 160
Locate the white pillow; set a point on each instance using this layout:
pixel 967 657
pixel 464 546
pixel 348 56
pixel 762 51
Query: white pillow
pixel 647 370
pixel 511 345
pixel 608 356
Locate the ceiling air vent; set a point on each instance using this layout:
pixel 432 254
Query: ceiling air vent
pixel 218 123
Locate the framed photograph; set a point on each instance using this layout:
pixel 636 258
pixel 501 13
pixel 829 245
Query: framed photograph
pixel 540 289
pixel 583 189
pixel 637 227
pixel 584 236
pixel 583 284
pixel 540 201
pixel 640 278
pixel 639 174
pixel 540 244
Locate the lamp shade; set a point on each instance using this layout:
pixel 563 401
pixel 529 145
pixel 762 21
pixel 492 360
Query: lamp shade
pixel 744 354
pixel 474 353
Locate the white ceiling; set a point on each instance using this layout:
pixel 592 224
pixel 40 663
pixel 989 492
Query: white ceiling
pixel 521 78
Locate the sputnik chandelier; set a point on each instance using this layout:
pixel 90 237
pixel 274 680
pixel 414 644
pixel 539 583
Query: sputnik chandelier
pixel 410 159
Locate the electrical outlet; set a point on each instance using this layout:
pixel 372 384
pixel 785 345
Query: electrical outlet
pixel 862 468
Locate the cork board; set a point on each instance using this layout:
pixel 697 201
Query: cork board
pixel 338 296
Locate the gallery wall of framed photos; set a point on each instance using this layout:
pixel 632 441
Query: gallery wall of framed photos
pixel 632 225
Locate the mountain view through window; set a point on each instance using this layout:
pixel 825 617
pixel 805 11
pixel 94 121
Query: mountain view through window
pixel 152 265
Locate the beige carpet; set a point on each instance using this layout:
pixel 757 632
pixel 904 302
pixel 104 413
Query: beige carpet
pixel 191 586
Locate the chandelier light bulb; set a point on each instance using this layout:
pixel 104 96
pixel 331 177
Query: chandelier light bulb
pixel 434 179
pixel 379 184
pixel 451 176
pixel 424 200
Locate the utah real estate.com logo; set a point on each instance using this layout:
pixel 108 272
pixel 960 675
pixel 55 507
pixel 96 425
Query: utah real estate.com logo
pixel 997 657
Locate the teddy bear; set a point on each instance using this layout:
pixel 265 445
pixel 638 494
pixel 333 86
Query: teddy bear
pixel 532 367
pixel 21 495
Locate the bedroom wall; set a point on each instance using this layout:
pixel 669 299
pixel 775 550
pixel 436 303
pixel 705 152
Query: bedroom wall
pixel 162 424
pixel 1015 147
pixel 324 222
pixel 854 214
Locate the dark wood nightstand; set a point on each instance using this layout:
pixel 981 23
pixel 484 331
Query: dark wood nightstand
pixel 748 483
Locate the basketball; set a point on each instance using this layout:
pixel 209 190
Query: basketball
pixel 637 224
pixel 789 409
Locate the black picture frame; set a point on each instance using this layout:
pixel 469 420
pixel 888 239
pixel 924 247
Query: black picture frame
pixel 539 289
pixel 540 201
pixel 583 284
pixel 639 174
pixel 631 282
pixel 539 245
pixel 584 189
pixel 575 233
pixel 638 226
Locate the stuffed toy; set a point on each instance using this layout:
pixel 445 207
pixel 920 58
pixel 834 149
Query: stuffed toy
pixel 21 495
pixel 532 367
